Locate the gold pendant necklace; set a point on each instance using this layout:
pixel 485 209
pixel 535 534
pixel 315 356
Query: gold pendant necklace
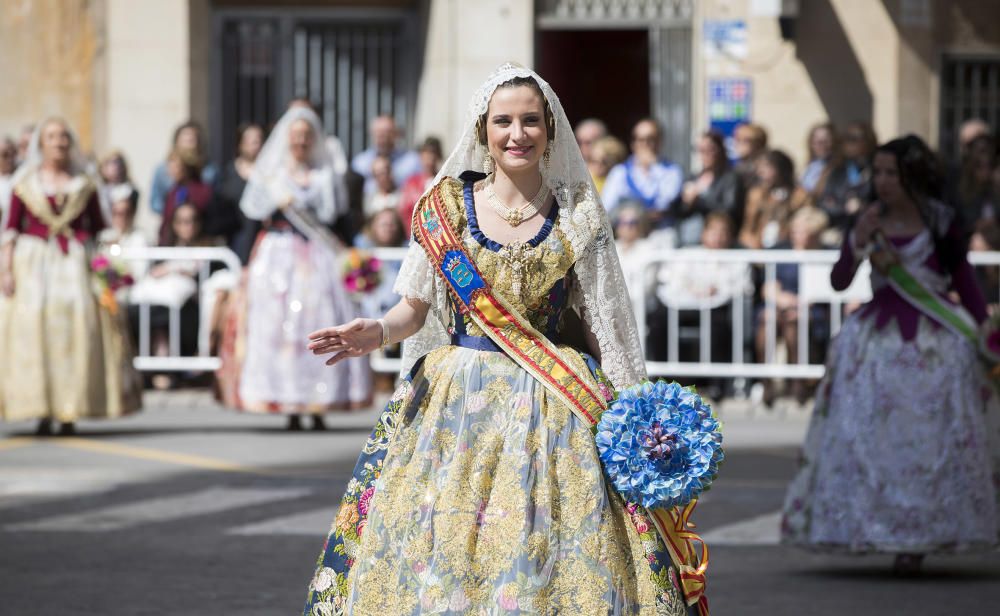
pixel 517 254
pixel 515 216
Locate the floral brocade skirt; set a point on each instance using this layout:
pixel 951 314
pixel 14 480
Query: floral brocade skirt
pixel 902 451
pixel 293 287
pixel 479 493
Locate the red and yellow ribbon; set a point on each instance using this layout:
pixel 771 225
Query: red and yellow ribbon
pixel 687 550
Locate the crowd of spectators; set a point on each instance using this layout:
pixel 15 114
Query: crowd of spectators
pixel 747 195
pixel 742 193
pixel 198 204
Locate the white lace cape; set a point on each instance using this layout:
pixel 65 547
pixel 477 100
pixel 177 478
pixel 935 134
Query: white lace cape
pixel 267 186
pixel 599 297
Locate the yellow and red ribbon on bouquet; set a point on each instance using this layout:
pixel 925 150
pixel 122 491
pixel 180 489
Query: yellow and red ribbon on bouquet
pixel 687 550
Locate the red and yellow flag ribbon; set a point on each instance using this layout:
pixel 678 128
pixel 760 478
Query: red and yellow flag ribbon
pixel 687 550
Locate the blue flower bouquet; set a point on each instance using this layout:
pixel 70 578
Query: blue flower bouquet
pixel 660 444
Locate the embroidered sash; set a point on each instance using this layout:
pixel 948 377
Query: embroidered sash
pixel 513 333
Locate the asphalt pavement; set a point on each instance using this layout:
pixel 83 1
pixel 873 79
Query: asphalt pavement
pixel 190 509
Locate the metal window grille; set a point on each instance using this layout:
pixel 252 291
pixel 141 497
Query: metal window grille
pixel 354 72
pixel 354 64
pixel 249 88
pixel 970 88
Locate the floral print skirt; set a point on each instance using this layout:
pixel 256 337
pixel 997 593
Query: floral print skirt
pixel 479 493
pixel 902 451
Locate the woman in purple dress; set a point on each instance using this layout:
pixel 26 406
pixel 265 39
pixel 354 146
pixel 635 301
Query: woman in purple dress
pixel 901 454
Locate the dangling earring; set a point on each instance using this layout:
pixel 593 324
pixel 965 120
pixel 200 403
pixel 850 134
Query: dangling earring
pixel 488 164
pixel 547 155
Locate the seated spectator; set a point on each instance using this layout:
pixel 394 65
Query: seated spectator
pixel 973 196
pixel 604 155
pixel 986 238
pixel 805 228
pixel 122 232
pixel 825 176
pixel 692 287
pixel 385 196
pixel 716 188
pixel 644 176
pixel 750 145
pixel 188 188
pixel 224 218
pixel 113 169
pixel 771 203
pixel 970 130
pixel 631 226
pixel 431 157
pixel 172 285
pixel 384 137
pixel 858 150
pixel 588 132
pixel 187 138
pixel 384 229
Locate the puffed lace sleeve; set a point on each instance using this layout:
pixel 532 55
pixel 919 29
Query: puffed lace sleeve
pixel 417 280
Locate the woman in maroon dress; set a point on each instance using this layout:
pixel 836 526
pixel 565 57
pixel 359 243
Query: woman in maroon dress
pixel 63 353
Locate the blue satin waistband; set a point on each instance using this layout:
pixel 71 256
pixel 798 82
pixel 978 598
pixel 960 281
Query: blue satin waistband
pixel 478 343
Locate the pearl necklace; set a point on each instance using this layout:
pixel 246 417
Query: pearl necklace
pixel 515 216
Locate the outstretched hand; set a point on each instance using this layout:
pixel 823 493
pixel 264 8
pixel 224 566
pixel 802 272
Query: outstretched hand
pixel 359 337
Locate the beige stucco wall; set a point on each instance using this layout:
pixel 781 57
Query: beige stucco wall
pixel 850 60
pixel 842 65
pixel 457 58
pixel 52 49
pixel 149 82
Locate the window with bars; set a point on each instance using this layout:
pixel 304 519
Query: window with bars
pixel 353 68
pixel 970 88
pixel 248 92
pixel 353 73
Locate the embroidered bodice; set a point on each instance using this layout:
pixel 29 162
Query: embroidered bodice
pixel 532 277
pixel 918 255
pixel 74 215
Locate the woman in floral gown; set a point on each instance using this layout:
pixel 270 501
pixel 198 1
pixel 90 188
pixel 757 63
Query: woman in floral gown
pixel 901 456
pixel 479 491
pixel 293 284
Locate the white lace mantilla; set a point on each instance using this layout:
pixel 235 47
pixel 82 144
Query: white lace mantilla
pixel 600 296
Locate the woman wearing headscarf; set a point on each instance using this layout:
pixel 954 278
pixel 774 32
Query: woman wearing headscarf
pixel 902 452
pixel 63 352
pixel 294 283
pixel 480 489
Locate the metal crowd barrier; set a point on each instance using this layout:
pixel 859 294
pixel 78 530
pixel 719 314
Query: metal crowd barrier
pixel 814 289
pixel 175 362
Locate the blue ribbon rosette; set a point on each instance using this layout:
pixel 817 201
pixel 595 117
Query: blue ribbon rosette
pixel 660 444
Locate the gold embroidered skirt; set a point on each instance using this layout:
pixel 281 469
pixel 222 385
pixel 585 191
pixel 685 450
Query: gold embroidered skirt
pixel 62 355
pixel 478 492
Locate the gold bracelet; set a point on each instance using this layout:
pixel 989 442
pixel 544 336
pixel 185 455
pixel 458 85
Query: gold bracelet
pixel 385 333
